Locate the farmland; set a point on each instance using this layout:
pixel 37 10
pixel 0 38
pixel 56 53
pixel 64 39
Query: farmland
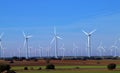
pixel 67 69
pixel 64 66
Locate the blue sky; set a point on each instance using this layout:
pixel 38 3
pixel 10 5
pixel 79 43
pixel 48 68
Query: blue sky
pixel 38 18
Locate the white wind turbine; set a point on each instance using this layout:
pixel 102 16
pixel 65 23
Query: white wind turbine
pixel 1 44
pixel 89 41
pixel 3 53
pixel 62 51
pixel 115 50
pixel 35 51
pixel 75 49
pixel 48 51
pixel 101 49
pixel 40 51
pixel 114 46
pixel 55 40
pixel 19 51
pixel 26 43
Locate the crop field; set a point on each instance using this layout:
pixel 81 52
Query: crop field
pixel 65 66
pixel 67 69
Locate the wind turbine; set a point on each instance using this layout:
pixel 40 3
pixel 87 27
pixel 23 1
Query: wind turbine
pixel 55 39
pixel 62 51
pixel 89 41
pixel 3 53
pixel 75 50
pixel 1 44
pixel 101 49
pixel 115 48
pixel 19 51
pixel 40 52
pixel 48 51
pixel 26 43
pixel 30 51
pixel 35 52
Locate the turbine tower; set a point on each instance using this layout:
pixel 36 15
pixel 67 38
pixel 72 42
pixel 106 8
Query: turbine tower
pixel 1 44
pixel 26 43
pixel 89 41
pixel 55 39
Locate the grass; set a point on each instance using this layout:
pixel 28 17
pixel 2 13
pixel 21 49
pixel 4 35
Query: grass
pixel 67 69
pixel 60 67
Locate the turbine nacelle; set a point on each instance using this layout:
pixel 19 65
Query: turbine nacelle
pixel 89 34
pixel 55 39
pixel 101 47
pixel 55 36
pixel 26 36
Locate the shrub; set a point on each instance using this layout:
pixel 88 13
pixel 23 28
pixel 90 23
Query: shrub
pixel 50 66
pixel 77 68
pixel 39 68
pixel 111 66
pixel 4 67
pixel 25 68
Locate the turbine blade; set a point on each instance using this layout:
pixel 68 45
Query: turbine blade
pixel 24 43
pixel 92 31
pixel 59 37
pixel 52 40
pixel 24 34
pixel 54 30
pixel 103 49
pixel 29 36
pixel 114 47
pixel 85 32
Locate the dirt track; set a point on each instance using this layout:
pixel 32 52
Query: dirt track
pixel 61 62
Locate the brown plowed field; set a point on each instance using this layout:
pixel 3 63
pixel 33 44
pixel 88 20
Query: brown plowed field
pixel 61 62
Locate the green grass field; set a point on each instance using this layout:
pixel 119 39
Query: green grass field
pixel 67 69
pixel 60 67
pixel 70 72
